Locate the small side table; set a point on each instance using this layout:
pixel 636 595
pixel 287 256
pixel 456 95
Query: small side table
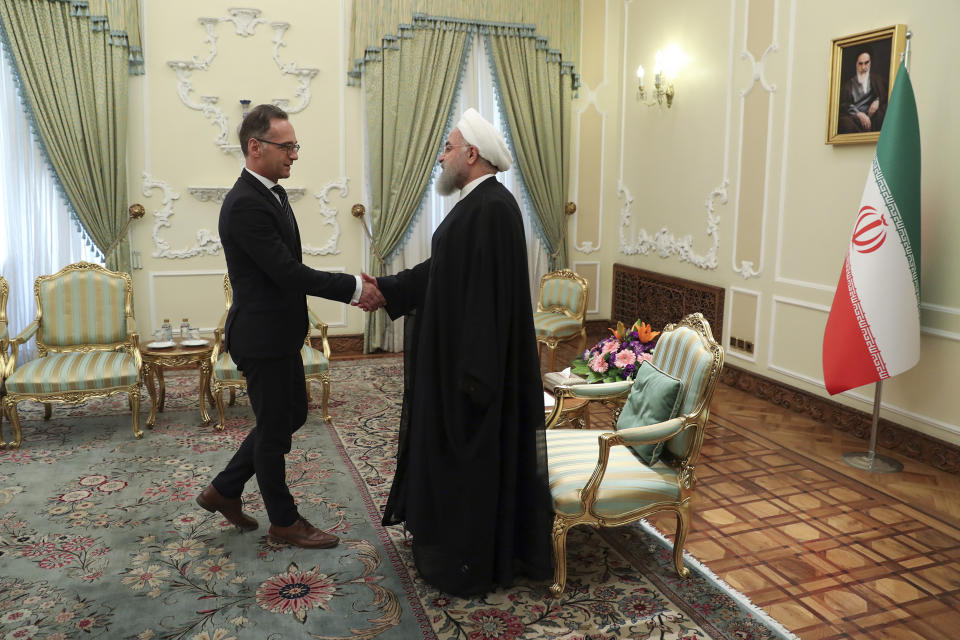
pixel 177 356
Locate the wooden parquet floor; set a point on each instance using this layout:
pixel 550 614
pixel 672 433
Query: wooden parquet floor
pixel 828 550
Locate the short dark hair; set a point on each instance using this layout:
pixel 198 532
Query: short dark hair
pixel 256 124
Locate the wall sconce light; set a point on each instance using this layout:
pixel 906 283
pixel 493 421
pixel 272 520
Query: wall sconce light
pixel 665 69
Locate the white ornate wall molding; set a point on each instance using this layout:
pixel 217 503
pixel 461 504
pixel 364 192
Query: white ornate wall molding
pixel 245 23
pixel 746 268
pixel 329 217
pixel 217 194
pixel 207 242
pixel 664 242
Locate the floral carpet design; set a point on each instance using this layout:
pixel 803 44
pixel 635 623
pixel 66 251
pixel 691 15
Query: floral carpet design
pixel 100 538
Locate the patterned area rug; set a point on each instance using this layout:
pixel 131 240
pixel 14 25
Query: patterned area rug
pixel 100 538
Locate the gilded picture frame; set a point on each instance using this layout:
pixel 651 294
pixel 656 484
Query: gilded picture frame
pixel 863 67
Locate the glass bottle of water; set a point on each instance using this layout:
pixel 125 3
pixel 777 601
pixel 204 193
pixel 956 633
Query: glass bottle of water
pixel 167 330
pixel 184 329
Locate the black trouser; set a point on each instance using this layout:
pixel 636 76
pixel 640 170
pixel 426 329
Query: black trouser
pixel 277 392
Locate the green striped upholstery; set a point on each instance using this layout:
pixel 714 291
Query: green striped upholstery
pixel 561 292
pixel 314 362
pixel 226 369
pixel 82 307
pixel 63 372
pixel 627 485
pixel 555 325
pixel 684 354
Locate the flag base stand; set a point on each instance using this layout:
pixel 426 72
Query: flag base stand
pixel 872 462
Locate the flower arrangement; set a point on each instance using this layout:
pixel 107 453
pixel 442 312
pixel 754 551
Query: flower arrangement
pixel 617 357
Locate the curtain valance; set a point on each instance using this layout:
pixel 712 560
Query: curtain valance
pixel 553 24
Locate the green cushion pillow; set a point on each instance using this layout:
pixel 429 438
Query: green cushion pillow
pixel 654 398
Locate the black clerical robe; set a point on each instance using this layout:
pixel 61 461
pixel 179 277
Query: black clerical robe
pixel 471 481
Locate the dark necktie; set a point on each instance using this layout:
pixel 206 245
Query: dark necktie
pixel 285 205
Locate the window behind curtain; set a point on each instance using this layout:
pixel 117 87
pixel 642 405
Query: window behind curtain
pixel 37 234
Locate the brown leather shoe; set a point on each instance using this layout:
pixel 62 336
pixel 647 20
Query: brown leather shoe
pixel 230 508
pixel 303 534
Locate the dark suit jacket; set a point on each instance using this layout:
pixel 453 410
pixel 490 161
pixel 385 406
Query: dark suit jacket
pixel 268 317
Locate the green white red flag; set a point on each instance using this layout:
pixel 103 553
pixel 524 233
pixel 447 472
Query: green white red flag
pixel 873 331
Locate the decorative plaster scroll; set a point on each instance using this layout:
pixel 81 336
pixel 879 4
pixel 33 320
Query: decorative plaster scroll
pixel 217 194
pixel 329 215
pixel 245 22
pixel 207 242
pixel 665 243
pixel 759 67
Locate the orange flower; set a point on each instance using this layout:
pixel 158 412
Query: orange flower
pixel 645 331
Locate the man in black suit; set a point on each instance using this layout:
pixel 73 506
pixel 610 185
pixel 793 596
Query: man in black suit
pixel 267 324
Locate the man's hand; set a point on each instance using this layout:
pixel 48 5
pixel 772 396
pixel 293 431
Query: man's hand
pixel 873 107
pixel 370 297
pixel 864 120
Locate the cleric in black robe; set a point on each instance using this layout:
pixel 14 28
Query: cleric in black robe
pixel 471 481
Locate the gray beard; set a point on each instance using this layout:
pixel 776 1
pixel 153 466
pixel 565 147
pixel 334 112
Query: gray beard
pixel 446 183
pixel 864 80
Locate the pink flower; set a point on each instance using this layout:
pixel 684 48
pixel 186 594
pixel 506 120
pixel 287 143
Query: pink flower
pixel 644 357
pixel 610 347
pixel 624 358
pixel 598 364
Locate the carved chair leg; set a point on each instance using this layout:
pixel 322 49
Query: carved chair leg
pixel 47 410
pixel 134 397
pixel 553 358
pixel 10 405
pixel 309 395
pixel 3 445
pixel 233 397
pixel 218 396
pixel 324 398
pixel 683 526
pixel 559 557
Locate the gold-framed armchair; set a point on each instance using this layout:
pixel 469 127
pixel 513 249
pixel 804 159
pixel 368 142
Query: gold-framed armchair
pixel 225 375
pixel 87 344
pixel 649 463
pixel 4 348
pixel 561 311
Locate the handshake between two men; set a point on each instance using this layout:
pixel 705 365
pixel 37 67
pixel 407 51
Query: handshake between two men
pixel 370 297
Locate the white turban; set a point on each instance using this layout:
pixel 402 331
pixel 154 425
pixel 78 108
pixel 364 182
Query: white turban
pixel 485 137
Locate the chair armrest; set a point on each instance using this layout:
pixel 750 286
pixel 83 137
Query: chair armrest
pixel 25 335
pixel 596 391
pixel 651 433
pixel 317 323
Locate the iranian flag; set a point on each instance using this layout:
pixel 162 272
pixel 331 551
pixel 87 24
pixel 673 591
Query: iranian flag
pixel 873 331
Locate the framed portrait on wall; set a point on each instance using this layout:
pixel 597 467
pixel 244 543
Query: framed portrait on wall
pixel 862 70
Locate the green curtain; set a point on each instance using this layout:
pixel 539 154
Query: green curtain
pixel 556 21
pixel 408 102
pixel 536 102
pixel 72 59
